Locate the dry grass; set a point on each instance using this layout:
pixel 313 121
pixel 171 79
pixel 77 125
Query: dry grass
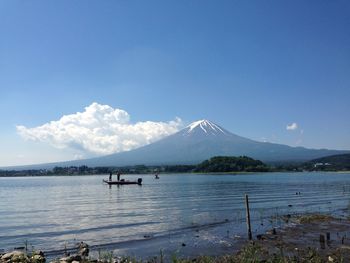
pixel 314 218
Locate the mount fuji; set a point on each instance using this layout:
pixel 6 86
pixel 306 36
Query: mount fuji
pixel 199 141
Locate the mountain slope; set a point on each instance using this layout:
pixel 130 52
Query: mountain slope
pixel 199 141
pixel 333 162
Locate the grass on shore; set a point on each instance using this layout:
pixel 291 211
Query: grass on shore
pixel 251 253
pixel 305 219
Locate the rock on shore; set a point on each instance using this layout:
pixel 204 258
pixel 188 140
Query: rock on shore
pixel 20 256
pixel 39 257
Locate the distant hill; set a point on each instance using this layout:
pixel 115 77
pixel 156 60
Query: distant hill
pixel 330 163
pixel 197 142
pixel 220 164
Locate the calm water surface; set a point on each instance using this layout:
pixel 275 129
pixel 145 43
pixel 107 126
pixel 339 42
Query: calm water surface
pixel 205 210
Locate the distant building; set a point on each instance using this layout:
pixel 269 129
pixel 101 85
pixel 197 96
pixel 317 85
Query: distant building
pixel 321 164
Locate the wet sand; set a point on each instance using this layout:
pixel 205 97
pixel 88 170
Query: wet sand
pixel 300 238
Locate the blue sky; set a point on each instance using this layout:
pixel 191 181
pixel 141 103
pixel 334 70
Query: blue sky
pixel 253 67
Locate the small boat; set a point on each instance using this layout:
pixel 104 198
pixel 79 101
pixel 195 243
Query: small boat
pixel 123 182
pixel 156 176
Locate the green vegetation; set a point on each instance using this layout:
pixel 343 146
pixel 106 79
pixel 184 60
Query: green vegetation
pixel 85 170
pixel 256 253
pixel 218 164
pixel 314 218
pixel 224 164
pixel 340 162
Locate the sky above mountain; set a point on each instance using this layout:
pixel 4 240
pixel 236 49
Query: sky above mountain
pixel 76 75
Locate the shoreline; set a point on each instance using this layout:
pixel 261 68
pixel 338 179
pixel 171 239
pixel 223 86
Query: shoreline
pixel 173 173
pixel 299 239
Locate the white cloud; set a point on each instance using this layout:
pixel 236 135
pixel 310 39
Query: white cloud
pixel 100 129
pixel 292 126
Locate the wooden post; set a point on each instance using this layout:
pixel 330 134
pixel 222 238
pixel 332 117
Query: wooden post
pixel 248 217
pixel 322 241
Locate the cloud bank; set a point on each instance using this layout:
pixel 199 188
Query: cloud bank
pixel 292 126
pixel 100 130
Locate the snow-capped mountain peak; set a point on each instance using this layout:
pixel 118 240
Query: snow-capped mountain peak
pixel 205 126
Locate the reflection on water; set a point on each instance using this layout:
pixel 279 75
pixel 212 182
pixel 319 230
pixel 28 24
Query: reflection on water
pixel 50 211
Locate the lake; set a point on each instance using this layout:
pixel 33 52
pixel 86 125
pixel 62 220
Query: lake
pixel 185 214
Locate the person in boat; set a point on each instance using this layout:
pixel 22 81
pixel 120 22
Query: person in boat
pixel 118 176
pixel 110 176
pixel 156 176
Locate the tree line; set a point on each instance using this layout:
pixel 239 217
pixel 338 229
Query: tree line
pixel 215 164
